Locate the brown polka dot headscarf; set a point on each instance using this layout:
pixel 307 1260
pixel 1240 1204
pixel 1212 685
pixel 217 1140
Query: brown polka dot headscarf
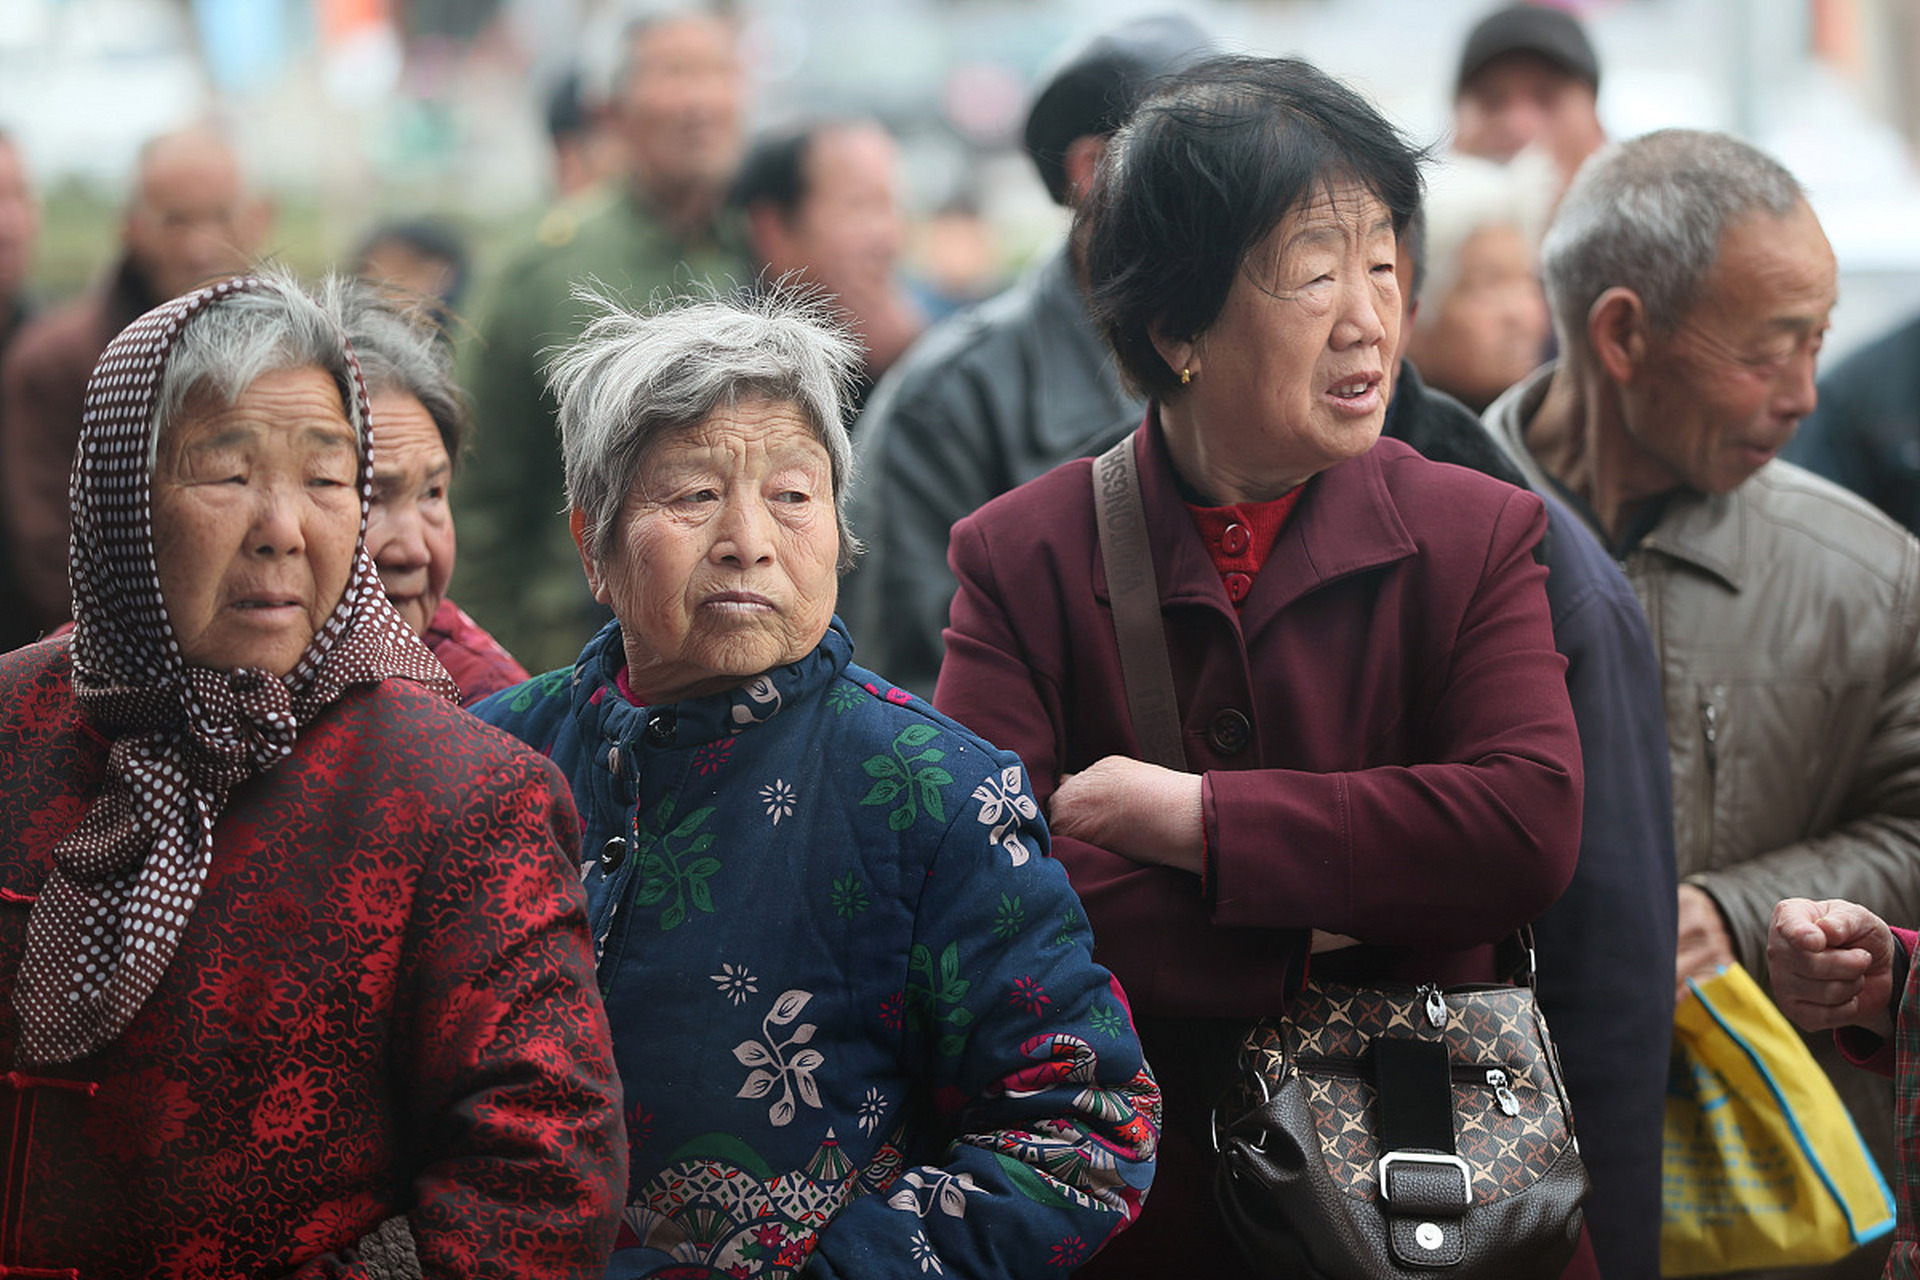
pixel 125 881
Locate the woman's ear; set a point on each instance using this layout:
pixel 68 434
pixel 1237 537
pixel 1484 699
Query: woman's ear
pixel 596 581
pixel 1181 355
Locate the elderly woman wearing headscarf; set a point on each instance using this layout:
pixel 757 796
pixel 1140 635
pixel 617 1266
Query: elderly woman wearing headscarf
pixel 288 945
pixel 854 1009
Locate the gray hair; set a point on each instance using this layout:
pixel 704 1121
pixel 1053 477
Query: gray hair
pixel 232 343
pixel 400 350
pixel 1466 195
pixel 633 379
pixel 1649 216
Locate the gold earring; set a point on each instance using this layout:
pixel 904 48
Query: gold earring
pixel 1186 376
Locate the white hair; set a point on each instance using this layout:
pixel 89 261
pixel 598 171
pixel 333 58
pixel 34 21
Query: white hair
pixel 1466 195
pixel 635 378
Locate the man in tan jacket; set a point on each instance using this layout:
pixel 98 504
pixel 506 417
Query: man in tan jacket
pixel 1691 284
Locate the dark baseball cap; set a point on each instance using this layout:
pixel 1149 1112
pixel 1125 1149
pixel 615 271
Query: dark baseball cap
pixel 1552 34
pixel 1095 86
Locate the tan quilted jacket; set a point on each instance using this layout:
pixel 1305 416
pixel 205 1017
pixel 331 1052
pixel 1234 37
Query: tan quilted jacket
pixel 1787 619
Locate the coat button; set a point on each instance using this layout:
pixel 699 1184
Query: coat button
pixel 1236 539
pixel 613 853
pixel 1238 584
pixel 613 761
pixel 1229 732
pixel 660 727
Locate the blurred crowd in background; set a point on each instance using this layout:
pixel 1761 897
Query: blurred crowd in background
pixel 347 113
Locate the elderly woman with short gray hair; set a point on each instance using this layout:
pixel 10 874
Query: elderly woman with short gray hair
pixel 855 1011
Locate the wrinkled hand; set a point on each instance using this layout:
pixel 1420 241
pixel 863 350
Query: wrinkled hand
pixel 1832 965
pixel 1135 809
pixel 1705 947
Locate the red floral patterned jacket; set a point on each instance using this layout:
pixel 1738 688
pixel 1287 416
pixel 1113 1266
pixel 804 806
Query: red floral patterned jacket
pixel 383 1003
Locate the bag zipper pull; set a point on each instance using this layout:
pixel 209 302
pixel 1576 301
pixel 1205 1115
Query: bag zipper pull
pixel 1436 1004
pixel 1509 1104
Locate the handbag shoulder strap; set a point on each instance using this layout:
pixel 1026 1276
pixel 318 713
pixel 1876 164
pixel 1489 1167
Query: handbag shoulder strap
pixel 1122 519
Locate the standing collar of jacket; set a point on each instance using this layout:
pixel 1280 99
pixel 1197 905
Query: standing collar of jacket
pixel 603 715
pixel 1346 523
pixel 1706 531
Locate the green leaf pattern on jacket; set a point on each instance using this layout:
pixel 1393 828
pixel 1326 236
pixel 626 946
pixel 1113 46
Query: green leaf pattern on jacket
pixel 675 876
pixel 937 1000
pixel 909 778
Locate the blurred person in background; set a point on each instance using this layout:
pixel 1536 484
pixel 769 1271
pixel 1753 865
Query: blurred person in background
pixel 1865 434
pixel 1691 286
pixel 952 259
pixel 1003 392
pixel 19 235
pixel 1528 77
pixel 1482 321
pixel 420 424
pixel 676 110
pixel 19 232
pixel 585 152
pixel 1605 948
pixel 420 259
pixel 191 219
pixel 822 209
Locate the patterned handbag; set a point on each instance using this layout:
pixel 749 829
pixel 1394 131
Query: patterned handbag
pixel 1401 1131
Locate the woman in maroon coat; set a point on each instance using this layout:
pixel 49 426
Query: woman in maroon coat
pixel 1382 764
pixel 290 948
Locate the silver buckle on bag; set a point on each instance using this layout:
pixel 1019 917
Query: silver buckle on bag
pixel 1429 1159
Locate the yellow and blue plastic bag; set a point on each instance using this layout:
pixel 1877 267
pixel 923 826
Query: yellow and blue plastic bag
pixel 1763 1165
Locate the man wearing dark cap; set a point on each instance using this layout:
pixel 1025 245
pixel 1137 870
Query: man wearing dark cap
pixel 1528 77
pixel 1002 392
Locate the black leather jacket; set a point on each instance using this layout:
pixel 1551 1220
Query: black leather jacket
pixel 988 400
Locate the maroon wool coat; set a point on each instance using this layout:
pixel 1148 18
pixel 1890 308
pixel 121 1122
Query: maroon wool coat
pixel 1388 750
pixel 383 1003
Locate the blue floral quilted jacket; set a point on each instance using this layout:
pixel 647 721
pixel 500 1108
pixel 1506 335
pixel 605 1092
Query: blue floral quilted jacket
pixel 854 1006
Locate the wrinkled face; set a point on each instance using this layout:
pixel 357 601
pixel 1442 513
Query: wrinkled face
pixel 723 564
pixel 1715 400
pixel 410 524
pixel 1521 100
pixel 1292 376
pixel 192 220
pixel 19 221
pixel 679 114
pixel 256 514
pixel 847 234
pixel 1489 328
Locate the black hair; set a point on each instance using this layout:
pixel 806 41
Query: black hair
pixel 1209 164
pixel 775 169
pixel 429 238
pixel 566 111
